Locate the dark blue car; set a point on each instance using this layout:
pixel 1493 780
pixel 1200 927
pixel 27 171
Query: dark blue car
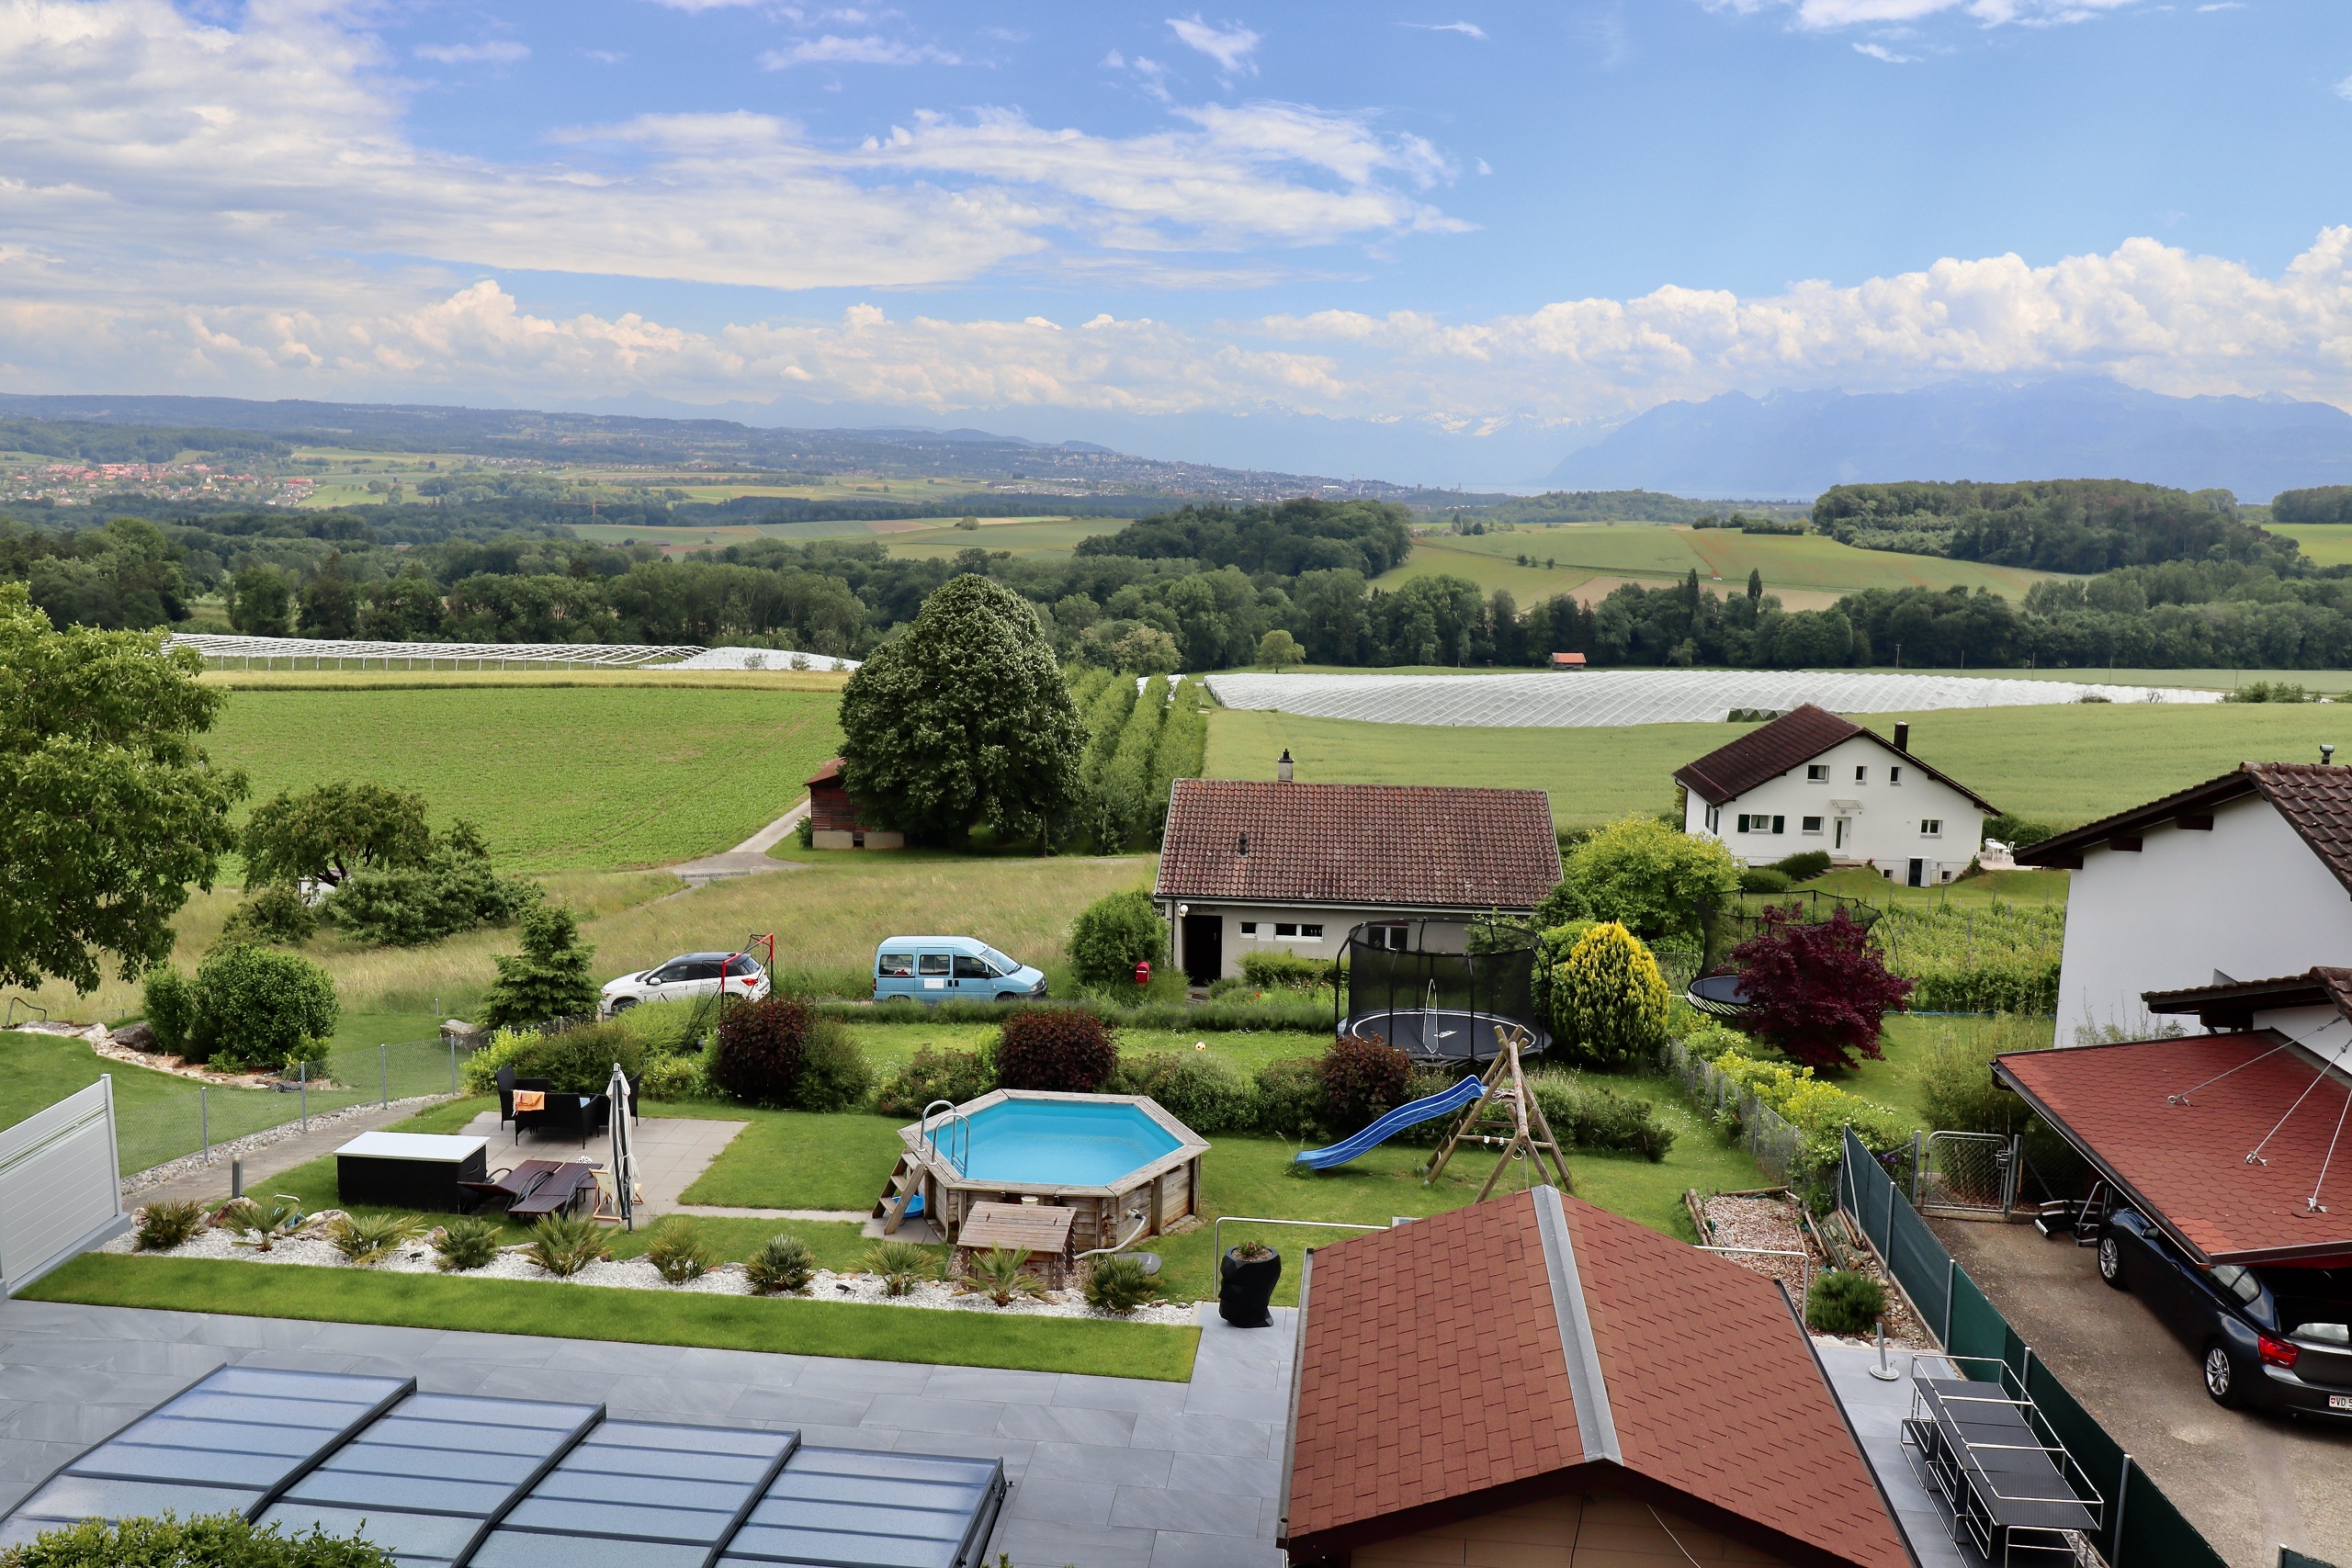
pixel 2269 1338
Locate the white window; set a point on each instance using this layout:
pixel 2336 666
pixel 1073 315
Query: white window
pixel 1817 773
pixel 1249 927
pixel 1757 822
pixel 1813 823
pixel 1314 932
pixel 1932 827
pixel 1714 819
pixel 1288 928
pixel 1895 775
pixel 1861 775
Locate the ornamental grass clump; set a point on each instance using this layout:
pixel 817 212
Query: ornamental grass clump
pixel 899 1265
pixel 366 1241
pixel 564 1244
pixel 164 1226
pixel 784 1264
pixel 677 1251
pixel 1119 1285
pixel 1844 1300
pixel 1001 1273
pixel 466 1243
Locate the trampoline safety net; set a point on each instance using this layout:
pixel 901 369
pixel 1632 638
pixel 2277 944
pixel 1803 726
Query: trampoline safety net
pixel 1439 1006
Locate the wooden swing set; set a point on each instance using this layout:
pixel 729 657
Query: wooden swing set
pixel 1506 1116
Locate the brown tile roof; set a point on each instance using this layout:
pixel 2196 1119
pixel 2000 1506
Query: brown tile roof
pixel 1433 1385
pixel 2231 1005
pixel 1378 844
pixel 1790 741
pixel 2183 1165
pixel 2315 798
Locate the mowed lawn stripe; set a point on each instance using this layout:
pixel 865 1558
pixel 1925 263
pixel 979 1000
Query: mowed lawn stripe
pixel 782 1325
pixel 561 778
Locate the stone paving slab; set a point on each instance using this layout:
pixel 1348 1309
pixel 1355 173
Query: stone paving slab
pixel 1106 1472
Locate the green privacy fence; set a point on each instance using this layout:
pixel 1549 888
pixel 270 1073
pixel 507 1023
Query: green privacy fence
pixel 2139 1526
pixel 197 1119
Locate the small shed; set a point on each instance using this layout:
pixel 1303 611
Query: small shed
pixel 836 820
pixel 1567 662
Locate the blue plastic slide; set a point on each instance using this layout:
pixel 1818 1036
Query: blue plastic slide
pixel 1395 1122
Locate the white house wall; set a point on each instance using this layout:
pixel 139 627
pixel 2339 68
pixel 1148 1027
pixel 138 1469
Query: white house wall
pixel 2246 897
pixel 1883 818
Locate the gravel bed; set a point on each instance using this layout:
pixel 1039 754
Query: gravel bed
pixel 1773 1222
pixel 173 1169
pixel 636 1274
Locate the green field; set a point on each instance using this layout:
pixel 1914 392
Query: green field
pixel 1805 571
pixel 2329 544
pixel 2060 766
pixel 585 777
pixel 1046 536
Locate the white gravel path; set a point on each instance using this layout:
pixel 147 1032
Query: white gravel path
pixel 636 1274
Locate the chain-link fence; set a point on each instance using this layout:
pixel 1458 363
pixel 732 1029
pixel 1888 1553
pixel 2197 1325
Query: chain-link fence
pixel 1770 1139
pixel 1971 1172
pixel 164 1120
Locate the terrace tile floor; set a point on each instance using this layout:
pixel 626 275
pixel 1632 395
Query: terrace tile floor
pixel 1108 1473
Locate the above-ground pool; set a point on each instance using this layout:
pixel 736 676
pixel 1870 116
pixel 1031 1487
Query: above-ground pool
pixel 1116 1159
pixel 1443 1034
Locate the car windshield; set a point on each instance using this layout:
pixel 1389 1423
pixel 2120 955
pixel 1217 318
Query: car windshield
pixel 1003 966
pixel 743 964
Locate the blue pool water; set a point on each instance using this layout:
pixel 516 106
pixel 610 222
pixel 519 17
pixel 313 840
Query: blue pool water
pixel 1066 1142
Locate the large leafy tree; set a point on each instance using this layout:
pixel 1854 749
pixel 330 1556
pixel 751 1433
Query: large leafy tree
pixel 328 834
pixel 1655 880
pixel 109 808
pixel 963 719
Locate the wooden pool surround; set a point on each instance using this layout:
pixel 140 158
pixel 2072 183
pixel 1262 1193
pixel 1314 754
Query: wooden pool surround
pixel 1162 1193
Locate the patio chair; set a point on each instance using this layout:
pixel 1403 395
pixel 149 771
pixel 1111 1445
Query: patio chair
pixel 505 1094
pixel 524 1120
pixel 562 1192
pixel 609 1199
pixel 506 1187
pixel 582 1115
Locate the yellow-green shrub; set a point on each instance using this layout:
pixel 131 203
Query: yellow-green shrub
pixel 1608 997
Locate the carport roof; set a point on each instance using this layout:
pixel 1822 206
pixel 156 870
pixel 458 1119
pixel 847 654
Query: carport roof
pixel 2172 1122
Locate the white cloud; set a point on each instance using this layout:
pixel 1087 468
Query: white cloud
pixel 1467 29
pixel 832 50
pixel 500 51
pixel 698 6
pixel 1230 46
pixel 605 56
pixel 1826 14
pixel 1879 51
pixel 1484 167
pixel 2344 89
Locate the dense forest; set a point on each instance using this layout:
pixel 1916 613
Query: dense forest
pixel 2328 503
pixel 2071 525
pixel 1199 588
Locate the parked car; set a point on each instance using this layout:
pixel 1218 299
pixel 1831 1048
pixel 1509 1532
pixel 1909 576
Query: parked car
pixel 684 977
pixel 934 968
pixel 2272 1339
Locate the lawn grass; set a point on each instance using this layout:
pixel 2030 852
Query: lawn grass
pixel 783 1327
pixel 889 1044
pixel 585 777
pixel 2062 765
pixel 795 1160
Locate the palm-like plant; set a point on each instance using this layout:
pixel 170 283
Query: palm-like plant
pixel 1119 1285
pixel 564 1246
pixel 470 1242
pixel 783 1263
pixel 262 1229
pixel 365 1242
pixel 677 1251
pixel 1001 1273
pixel 164 1226
pixel 899 1264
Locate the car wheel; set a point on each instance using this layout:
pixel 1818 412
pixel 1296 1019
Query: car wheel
pixel 1008 996
pixel 2110 1263
pixel 2221 1374
pixel 621 1005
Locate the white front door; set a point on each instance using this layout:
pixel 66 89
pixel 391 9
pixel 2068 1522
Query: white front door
pixel 1838 843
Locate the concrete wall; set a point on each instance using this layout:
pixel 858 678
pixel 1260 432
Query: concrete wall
pixel 1881 816
pixel 1436 936
pixel 2247 896
pixel 1565 1533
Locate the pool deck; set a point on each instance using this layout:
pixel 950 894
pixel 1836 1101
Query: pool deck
pixel 1112 1473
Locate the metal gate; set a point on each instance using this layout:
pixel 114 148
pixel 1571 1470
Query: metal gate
pixel 1976 1172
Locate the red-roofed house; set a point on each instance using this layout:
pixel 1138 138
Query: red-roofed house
pixel 1248 866
pixel 1811 780
pixel 1535 1380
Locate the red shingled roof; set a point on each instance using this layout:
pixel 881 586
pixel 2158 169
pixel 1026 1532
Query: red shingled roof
pixel 2185 1166
pixel 1379 844
pixel 2315 800
pixel 1433 1385
pixel 1790 741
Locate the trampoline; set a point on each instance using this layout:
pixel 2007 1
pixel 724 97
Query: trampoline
pixel 1437 1006
pixel 1719 996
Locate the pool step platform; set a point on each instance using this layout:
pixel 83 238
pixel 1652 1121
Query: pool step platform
pixel 906 1180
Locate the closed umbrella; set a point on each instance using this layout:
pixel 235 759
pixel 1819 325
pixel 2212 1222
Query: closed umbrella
pixel 624 1147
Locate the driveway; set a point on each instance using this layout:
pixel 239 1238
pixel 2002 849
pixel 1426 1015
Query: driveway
pixel 2251 1483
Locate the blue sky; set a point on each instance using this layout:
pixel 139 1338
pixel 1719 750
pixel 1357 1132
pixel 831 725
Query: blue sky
pixel 1452 236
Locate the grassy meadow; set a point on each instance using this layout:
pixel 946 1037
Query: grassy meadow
pixel 581 777
pixel 1047 536
pixel 1806 572
pixel 2061 765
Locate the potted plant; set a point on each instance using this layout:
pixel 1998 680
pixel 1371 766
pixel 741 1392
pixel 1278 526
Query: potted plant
pixel 1246 1278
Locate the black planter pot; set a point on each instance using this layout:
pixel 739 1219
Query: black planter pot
pixel 1245 1290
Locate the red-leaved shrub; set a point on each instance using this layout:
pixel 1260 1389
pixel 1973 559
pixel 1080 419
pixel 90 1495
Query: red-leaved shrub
pixel 1362 1078
pixel 1817 989
pixel 1067 1050
pixel 757 1058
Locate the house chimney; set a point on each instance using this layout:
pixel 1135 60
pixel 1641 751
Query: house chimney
pixel 1903 739
pixel 1282 769
pixel 2326 753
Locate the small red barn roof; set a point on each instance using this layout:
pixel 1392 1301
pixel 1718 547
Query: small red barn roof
pixel 1387 845
pixel 2171 1122
pixel 831 774
pixel 1568 661
pixel 1534 1346
pixel 1790 741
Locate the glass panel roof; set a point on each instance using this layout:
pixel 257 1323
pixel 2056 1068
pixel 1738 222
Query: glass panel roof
pixel 444 1481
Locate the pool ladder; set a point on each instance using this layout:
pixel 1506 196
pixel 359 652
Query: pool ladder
pixel 958 1128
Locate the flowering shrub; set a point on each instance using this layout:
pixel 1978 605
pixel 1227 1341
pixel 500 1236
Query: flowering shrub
pixel 1815 1109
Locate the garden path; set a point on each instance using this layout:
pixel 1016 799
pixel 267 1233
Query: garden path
pixel 749 858
pixel 209 1184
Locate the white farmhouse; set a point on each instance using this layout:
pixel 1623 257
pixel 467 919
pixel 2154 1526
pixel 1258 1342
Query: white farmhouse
pixel 2245 878
pixel 1810 780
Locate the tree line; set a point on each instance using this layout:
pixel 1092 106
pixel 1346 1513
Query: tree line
pixel 2071 525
